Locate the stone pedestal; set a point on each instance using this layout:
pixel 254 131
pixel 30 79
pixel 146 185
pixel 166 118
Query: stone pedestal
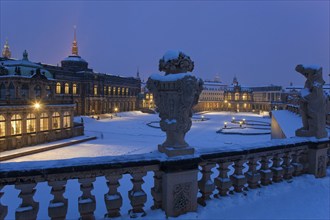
pixel 179 192
pixel 172 151
pixel 317 157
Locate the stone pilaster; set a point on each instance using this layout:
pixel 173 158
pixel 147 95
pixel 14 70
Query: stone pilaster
pixel 317 157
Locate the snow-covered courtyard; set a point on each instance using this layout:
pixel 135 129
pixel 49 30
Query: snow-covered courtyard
pixel 129 134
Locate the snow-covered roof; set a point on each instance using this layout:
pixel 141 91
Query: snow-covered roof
pixel 74 59
pixel 312 66
pixel 26 67
pixel 170 77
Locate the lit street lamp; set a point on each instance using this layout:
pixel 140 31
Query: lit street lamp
pixel 233 119
pixel 240 124
pixel 202 117
pixel 37 106
pixel 225 124
pixel 116 109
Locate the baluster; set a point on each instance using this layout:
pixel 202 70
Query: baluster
pixel 58 207
pixel 29 208
pixel 137 196
pixel 304 161
pixel 265 172
pixel 222 182
pixel 298 167
pixel 253 176
pixel 156 191
pixel 86 202
pixel 113 199
pixel 238 178
pixel 288 168
pixel 3 209
pixel 277 169
pixel 206 185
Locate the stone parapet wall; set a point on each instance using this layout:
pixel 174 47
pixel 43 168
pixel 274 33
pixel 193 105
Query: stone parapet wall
pixel 235 172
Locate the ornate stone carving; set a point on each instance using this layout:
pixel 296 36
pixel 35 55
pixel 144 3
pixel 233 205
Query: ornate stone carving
pixel 181 195
pixel 312 103
pixel 180 64
pixel 175 95
pixel 321 166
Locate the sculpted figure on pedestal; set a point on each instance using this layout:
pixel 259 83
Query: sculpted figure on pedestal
pixel 312 103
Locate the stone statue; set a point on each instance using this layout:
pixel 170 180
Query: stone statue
pixel 175 94
pixel 312 103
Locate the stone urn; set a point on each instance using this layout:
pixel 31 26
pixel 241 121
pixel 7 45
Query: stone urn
pixel 175 94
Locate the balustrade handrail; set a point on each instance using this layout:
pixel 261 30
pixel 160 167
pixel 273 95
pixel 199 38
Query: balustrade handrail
pixel 97 166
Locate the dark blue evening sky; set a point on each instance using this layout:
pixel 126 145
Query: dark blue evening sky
pixel 258 41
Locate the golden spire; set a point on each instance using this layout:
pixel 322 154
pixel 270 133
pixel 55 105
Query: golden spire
pixel 74 44
pixel 6 52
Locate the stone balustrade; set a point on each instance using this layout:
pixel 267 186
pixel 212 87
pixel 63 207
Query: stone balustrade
pixel 214 174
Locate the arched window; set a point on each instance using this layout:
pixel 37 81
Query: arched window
pixel 37 91
pixel 95 89
pixel 67 120
pixel 114 91
pixel 109 90
pixel 151 97
pixel 58 88
pixel 118 91
pixel 12 93
pixel 25 91
pixel 2 126
pixel 56 120
pixel 74 89
pixel 66 88
pixel 236 96
pixel 147 96
pixel 2 91
pixel 16 124
pixel 31 123
pixel 44 122
pixel 244 96
pixel 122 91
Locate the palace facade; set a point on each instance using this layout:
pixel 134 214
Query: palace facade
pixel 38 101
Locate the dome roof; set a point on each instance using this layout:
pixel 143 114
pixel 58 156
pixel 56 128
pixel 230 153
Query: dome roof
pixel 74 58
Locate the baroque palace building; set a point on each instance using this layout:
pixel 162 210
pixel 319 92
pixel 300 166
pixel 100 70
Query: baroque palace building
pixel 38 101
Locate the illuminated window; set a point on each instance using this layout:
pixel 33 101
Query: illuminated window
pixel 16 124
pixel 244 96
pixel 66 88
pixel 67 120
pixel 151 96
pixel 118 91
pixel 147 96
pixel 74 88
pixel 109 90
pixel 95 89
pixel 43 122
pixel 127 91
pixel 236 96
pixel 58 88
pixel 2 126
pixel 114 91
pixel 56 120
pixel 123 91
pixel 104 90
pixel 229 96
pixel 31 123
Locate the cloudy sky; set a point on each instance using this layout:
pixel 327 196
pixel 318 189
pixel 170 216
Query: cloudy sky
pixel 258 41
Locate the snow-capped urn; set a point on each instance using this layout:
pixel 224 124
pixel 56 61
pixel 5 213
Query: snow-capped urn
pixel 175 61
pixel 175 94
pixel 312 103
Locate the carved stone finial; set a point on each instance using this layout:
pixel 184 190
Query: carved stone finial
pixel 312 103
pixel 175 62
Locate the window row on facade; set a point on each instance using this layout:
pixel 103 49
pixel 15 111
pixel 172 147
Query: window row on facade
pixel 17 124
pixel 66 88
pixel 25 90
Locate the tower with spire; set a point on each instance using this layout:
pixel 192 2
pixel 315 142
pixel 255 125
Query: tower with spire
pixel 5 51
pixel 74 62
pixel 74 43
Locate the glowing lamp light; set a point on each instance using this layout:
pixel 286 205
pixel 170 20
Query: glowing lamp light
pixel 225 124
pixel 240 123
pixel 202 117
pixel 116 109
pixel 37 105
pixel 243 120
pixel 233 119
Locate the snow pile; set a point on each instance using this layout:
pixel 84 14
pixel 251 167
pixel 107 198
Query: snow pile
pixel 171 55
pixel 288 121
